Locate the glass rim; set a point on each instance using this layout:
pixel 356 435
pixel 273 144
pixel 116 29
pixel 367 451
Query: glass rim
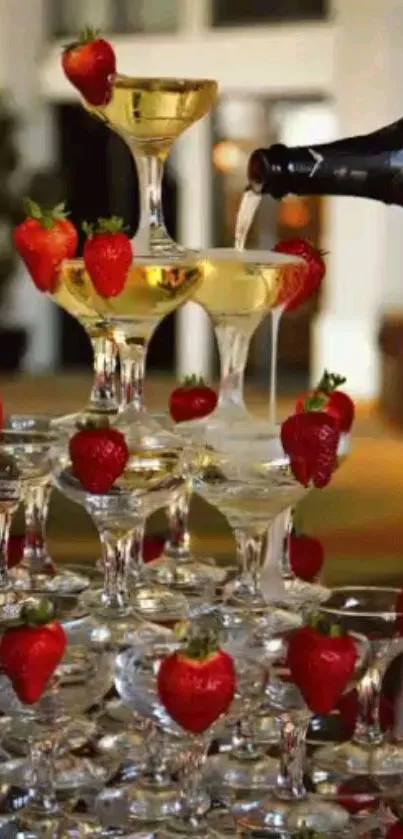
pixel 362 613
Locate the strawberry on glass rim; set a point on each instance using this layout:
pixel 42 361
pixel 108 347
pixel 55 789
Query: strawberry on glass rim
pixel 196 684
pixel 98 458
pixel 108 255
pixel 327 397
pixel 89 63
pixel 31 649
pixel 322 660
pixel 310 280
pixel 43 241
pixel 311 441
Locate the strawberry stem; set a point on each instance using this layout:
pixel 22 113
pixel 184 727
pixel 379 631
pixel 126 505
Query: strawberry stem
pixel 87 36
pixel 47 218
pixel 315 402
pixel 114 224
pixel 193 381
pixel 330 382
pixel 37 614
pixel 201 646
pixel 325 627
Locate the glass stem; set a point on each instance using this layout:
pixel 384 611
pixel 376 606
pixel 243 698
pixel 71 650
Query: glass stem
pixel 151 233
pixel 284 558
pixel 293 730
pixel 116 565
pixel 103 397
pixel 132 353
pixel 156 770
pixel 134 548
pixel 177 545
pixel 6 516
pixel 367 728
pixel 42 760
pixel 249 548
pixel 36 556
pixel 195 802
pixel 243 745
pixel 233 348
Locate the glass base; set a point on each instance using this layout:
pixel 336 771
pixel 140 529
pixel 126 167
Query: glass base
pixel 88 417
pixel 382 762
pixel 275 817
pixel 199 829
pixel 147 801
pixel 160 605
pixel 231 415
pixel 77 734
pixel 186 573
pixel 301 595
pixel 61 582
pixel 234 777
pixel 270 621
pixel 140 426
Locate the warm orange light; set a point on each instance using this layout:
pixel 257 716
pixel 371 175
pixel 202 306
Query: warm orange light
pixel 294 212
pixel 227 157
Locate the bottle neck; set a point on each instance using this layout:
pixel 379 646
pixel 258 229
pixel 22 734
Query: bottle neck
pixel 368 167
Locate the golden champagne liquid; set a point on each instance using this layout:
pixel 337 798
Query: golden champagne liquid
pixel 150 293
pixel 149 469
pixel 240 287
pixel 150 113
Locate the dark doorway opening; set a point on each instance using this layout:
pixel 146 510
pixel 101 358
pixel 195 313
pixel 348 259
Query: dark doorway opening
pixel 100 180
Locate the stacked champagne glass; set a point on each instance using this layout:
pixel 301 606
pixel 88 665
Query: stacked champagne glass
pixel 177 698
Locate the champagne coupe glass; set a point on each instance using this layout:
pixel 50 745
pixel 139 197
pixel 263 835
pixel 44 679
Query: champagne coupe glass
pixel 376 612
pixel 103 404
pixel 37 570
pixel 290 807
pixel 153 796
pixel 26 461
pixel 149 114
pixel 177 567
pixel 278 574
pixel 238 289
pixel 146 485
pixel 82 678
pixel 136 682
pixel 248 479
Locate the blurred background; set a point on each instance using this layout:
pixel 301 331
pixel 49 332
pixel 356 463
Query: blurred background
pixel 294 71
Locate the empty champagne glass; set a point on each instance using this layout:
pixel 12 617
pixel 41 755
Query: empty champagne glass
pixel 37 570
pixel 376 612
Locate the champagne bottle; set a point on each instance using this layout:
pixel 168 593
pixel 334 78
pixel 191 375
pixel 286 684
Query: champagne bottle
pixel 368 166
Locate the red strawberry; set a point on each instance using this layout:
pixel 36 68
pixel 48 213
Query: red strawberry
pixel 98 457
pixel 152 547
pixel 395 831
pixel 311 441
pixel 348 707
pixel 306 555
pixel 108 255
pixel 15 550
pixel 43 241
pixel 321 662
pixel 90 65
pixel 311 279
pixel 196 684
pixel 354 796
pixel 193 400
pixel 326 398
pixel 31 651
